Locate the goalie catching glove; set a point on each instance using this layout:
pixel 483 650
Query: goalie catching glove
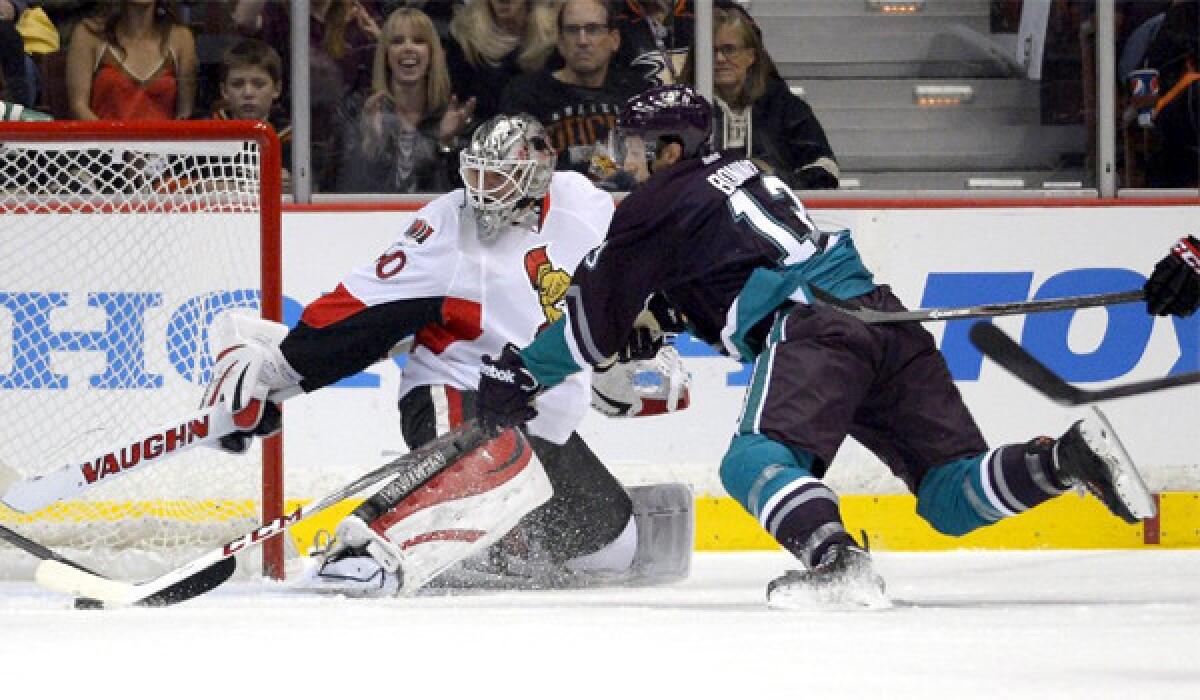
pixel 1174 287
pixel 248 367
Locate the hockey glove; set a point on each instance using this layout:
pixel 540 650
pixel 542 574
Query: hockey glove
pixel 244 373
pixel 506 391
pixel 643 344
pixel 1174 287
pixel 657 321
pixel 642 387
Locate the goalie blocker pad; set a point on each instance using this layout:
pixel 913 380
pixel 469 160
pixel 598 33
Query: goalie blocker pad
pixel 665 521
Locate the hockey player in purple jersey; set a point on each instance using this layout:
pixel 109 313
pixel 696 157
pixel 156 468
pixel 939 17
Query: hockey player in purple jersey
pixel 731 248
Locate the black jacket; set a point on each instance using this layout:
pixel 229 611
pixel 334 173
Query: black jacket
pixel 484 82
pixel 399 165
pixel 786 135
pixel 576 118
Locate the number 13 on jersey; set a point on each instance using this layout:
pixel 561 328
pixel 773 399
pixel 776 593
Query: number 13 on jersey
pixel 797 240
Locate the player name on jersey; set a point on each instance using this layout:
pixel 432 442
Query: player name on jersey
pixel 729 177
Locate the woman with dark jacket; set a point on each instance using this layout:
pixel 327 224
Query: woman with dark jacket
pixel 757 113
pixel 408 131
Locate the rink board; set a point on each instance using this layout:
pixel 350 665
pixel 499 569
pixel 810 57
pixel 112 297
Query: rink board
pixel 892 525
pixel 944 255
pixel 931 257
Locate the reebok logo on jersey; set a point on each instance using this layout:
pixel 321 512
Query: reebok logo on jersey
pixel 501 375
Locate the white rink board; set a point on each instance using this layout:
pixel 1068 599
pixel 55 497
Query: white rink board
pixel 340 430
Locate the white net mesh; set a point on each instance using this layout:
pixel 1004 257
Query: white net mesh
pixel 116 259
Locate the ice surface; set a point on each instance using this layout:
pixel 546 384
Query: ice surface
pixel 1079 624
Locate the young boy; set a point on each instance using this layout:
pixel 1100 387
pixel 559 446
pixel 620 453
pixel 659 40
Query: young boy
pixel 251 81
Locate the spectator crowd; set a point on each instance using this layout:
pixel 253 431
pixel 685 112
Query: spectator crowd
pixel 396 86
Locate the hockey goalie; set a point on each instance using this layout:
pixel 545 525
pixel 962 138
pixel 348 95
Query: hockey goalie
pixel 479 268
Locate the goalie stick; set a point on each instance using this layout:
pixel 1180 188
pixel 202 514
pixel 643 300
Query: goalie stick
pixel 211 569
pixel 203 427
pixel 979 311
pixel 1004 351
pixel 187 588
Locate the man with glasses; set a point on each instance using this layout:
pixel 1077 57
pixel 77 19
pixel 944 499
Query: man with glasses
pixel 578 103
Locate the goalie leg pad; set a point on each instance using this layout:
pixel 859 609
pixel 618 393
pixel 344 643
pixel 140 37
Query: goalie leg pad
pixel 660 538
pixel 464 509
pixel 663 532
pixel 666 525
pixel 589 509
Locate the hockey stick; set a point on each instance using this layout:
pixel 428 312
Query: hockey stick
pixel 995 344
pixel 980 311
pixel 187 588
pixel 203 427
pixel 192 579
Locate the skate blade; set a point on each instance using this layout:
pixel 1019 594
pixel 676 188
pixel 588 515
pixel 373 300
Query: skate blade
pixel 1126 480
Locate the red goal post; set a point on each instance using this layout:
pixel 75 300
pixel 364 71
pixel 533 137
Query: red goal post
pixel 124 241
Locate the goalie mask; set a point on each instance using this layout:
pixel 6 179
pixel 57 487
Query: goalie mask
pixel 668 113
pixel 506 169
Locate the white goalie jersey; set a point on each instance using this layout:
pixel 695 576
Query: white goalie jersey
pixel 503 290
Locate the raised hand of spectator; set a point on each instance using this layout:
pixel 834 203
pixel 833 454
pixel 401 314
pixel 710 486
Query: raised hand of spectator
pixel 455 120
pixel 372 121
pixel 364 20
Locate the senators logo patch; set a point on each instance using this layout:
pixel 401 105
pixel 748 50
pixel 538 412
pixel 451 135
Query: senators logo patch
pixel 550 283
pixel 418 231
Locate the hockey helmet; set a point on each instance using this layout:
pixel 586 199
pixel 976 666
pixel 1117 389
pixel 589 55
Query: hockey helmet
pixel 674 113
pixel 506 168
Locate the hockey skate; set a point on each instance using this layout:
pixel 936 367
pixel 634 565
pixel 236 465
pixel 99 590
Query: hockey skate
pixel 1090 456
pixel 845 579
pixel 344 565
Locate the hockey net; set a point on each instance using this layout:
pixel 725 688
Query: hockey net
pixel 121 245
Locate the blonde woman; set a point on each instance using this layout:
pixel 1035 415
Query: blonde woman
pixel 491 41
pixel 133 60
pixel 410 125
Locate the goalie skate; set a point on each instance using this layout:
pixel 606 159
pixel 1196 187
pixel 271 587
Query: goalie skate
pixel 344 566
pixel 1091 456
pixel 844 580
